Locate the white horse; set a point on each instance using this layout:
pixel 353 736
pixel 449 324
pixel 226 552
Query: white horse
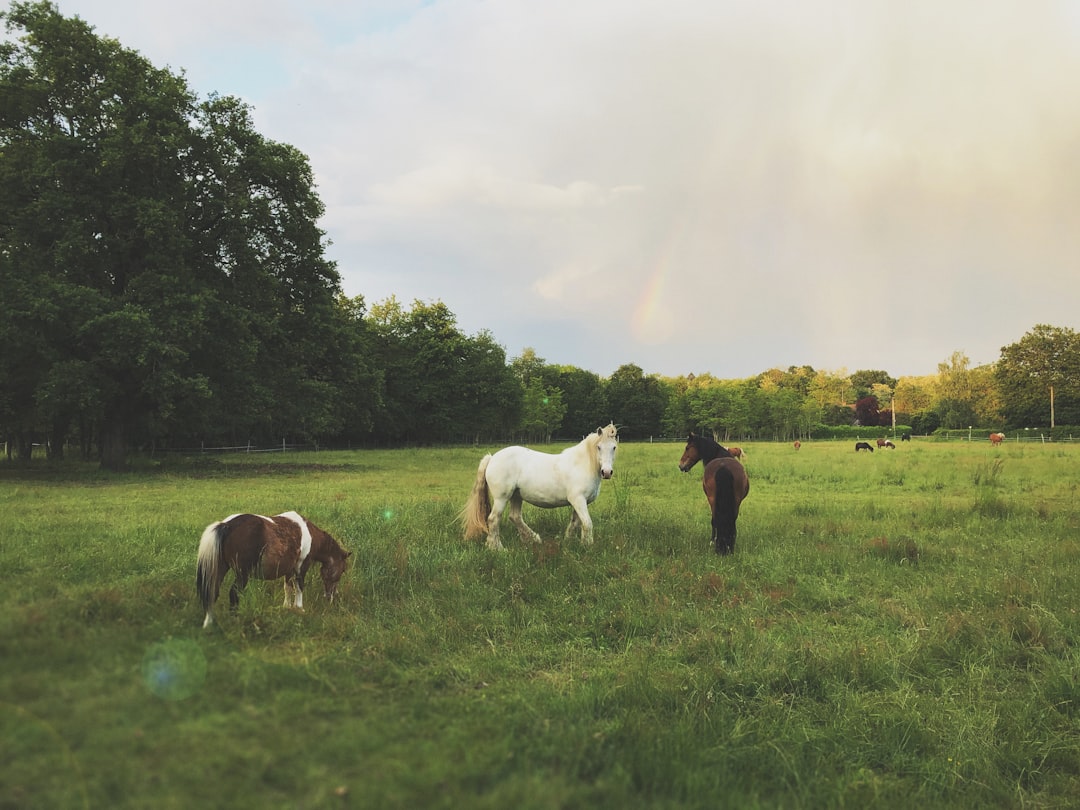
pixel 515 474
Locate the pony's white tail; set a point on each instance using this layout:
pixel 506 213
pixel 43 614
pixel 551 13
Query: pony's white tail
pixel 474 515
pixel 207 569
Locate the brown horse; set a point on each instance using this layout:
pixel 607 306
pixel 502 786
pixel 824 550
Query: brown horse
pixel 996 439
pixel 798 444
pixel 737 452
pixel 725 484
pixel 265 548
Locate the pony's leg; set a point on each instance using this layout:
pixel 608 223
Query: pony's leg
pixel 526 532
pixel 299 585
pixel 234 592
pixel 493 541
pixel 294 589
pixel 582 519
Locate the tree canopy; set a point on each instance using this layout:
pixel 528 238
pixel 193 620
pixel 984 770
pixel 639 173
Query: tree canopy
pixel 143 232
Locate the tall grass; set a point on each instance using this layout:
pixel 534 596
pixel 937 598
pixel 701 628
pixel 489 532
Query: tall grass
pixel 894 629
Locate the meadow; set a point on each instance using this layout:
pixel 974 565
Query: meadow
pixel 895 629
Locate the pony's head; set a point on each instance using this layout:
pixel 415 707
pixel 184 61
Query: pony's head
pixel 334 564
pixel 607 442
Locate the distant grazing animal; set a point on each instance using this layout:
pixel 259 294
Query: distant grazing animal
pixel 725 484
pixel 737 452
pixel 265 548
pixel 515 474
pixel 996 439
pixel 905 437
pixel 798 445
pixel 888 444
pixel 863 446
pixel 881 442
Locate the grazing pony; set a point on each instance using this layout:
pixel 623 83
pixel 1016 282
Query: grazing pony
pixel 265 548
pixel 863 446
pixel 725 484
pixel 905 437
pixel 737 452
pixel 798 444
pixel 881 442
pixel 888 444
pixel 515 474
pixel 996 439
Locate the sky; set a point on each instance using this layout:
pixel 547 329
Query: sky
pixel 691 186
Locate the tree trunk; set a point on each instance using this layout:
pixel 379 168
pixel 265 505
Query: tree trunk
pixel 54 446
pixel 114 446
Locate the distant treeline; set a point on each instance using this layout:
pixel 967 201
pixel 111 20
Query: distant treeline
pixel 164 283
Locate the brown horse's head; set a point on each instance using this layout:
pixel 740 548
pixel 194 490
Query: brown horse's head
pixel 700 448
pixel 691 454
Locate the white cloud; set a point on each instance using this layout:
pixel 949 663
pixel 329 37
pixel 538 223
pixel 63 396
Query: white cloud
pixel 850 183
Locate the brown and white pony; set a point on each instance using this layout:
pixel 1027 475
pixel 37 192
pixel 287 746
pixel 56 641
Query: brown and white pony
pixel 996 439
pixel 254 546
pixel 737 452
pixel 725 484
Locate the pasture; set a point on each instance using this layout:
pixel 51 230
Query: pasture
pixel 894 629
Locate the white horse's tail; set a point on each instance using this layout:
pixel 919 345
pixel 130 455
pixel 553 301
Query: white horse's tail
pixel 474 515
pixel 208 568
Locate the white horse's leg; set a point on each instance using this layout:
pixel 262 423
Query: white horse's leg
pixel 493 541
pixel 581 516
pixel 287 594
pixel 574 524
pixel 523 528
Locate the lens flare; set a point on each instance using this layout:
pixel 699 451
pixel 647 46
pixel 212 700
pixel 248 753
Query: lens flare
pixel 174 669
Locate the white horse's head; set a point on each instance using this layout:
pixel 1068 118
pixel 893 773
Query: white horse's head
pixel 607 442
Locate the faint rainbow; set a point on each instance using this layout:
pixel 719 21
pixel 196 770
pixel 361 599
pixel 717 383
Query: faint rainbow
pixel 651 320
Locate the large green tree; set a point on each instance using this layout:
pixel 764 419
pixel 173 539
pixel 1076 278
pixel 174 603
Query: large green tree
pixel 1039 378
pixel 441 385
pixel 161 268
pixel 636 401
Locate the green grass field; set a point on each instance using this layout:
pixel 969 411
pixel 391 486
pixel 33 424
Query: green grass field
pixel 894 630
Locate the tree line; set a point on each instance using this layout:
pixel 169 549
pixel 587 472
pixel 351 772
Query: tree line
pixel 164 284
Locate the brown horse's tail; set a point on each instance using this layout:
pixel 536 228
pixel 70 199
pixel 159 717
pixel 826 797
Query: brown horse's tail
pixel 725 512
pixel 208 573
pixel 474 514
